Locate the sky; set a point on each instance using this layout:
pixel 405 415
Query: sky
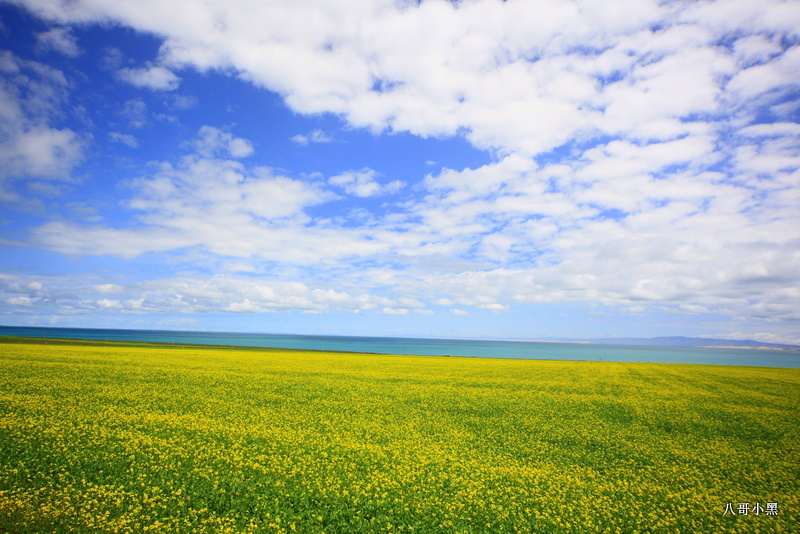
pixel 476 168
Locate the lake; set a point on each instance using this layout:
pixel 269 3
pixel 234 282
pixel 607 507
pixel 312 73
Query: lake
pixel 532 350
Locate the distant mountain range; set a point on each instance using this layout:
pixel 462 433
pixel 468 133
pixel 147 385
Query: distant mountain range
pixel 682 341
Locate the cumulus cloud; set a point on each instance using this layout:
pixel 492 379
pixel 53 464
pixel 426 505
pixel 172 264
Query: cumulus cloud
pixel 572 69
pixel 31 147
pixel 59 40
pixel 220 205
pixel 211 141
pixel 363 183
pixel 154 77
pixel 631 166
pixel 314 136
pixel 108 288
pixel 109 304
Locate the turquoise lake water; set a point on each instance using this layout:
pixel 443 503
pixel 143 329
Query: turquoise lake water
pixel 434 347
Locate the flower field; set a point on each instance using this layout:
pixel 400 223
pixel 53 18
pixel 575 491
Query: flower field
pixel 161 439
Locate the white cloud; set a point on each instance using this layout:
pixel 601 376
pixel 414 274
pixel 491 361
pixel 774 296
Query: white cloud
pixel 629 167
pixel 112 58
pixel 777 74
pixel 153 77
pixel 221 206
pixel 363 183
pixel 112 304
pixel 485 180
pixel 20 301
pixel 125 139
pixel 108 288
pixel 59 40
pixel 314 136
pixel 775 129
pixel 360 183
pixel 738 17
pixel 212 141
pixel 31 96
pixel 223 293
pixel 510 76
pixel 755 49
pixel 370 61
pixel 184 102
pixel 41 151
pixel 135 111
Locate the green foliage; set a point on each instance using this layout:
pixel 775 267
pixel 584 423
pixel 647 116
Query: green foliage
pixel 155 439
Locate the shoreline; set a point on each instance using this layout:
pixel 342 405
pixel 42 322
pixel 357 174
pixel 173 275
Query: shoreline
pixel 99 343
pixel 747 348
pixel 80 342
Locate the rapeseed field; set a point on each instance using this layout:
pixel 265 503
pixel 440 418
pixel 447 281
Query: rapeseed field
pixel 149 439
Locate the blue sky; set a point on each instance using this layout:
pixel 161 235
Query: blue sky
pixel 492 169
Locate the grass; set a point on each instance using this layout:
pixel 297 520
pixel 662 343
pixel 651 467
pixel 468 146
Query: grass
pixel 148 438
